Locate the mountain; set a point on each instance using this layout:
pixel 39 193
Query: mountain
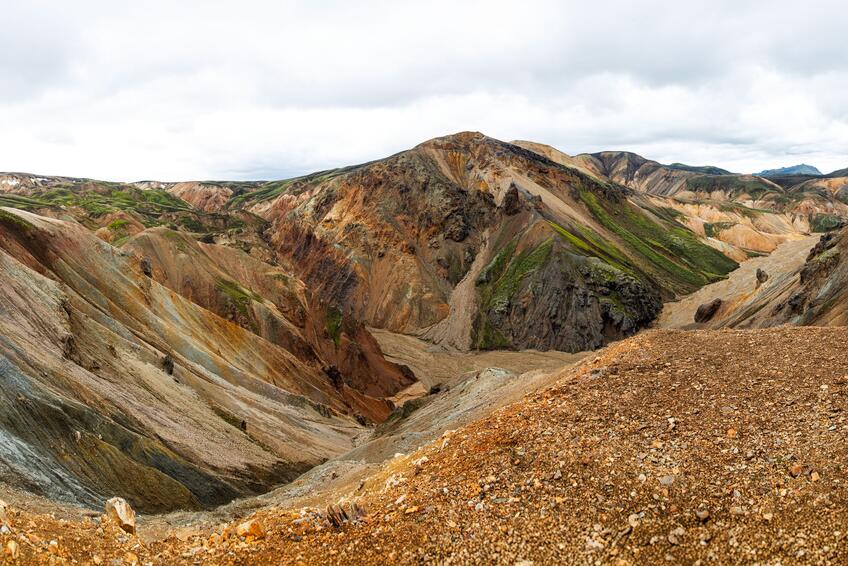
pixel 146 324
pixel 740 215
pixel 801 169
pixel 477 243
pixel 126 369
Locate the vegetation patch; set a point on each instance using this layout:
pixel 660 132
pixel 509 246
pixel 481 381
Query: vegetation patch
pixel 714 229
pixel 333 324
pixel 755 187
pixel 504 284
pixel 824 223
pixel 671 251
pixel 238 296
pixel 11 220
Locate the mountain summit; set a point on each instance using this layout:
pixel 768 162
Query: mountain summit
pixel 802 169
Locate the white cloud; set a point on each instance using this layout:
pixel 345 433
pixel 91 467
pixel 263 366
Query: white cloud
pixel 209 89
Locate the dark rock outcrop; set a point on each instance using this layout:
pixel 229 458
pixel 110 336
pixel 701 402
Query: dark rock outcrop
pixel 707 311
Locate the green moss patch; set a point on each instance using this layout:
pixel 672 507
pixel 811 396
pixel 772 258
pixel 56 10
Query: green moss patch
pixel 333 324
pixel 238 296
pixel 671 251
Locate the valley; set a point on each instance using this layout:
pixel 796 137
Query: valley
pixel 469 336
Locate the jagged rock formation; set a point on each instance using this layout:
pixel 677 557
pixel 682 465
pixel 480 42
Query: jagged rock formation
pixel 821 295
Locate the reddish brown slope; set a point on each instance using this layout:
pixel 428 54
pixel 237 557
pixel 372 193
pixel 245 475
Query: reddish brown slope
pixel 271 303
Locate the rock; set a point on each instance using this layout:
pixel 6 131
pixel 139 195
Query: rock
pixel 511 203
pixel 252 528
pixel 795 470
pixel 350 512
pixel 675 537
pixel 703 515
pixel 667 480
pixel 707 311
pixel 146 267
pixel 12 549
pixel 4 508
pixel 168 364
pixel 119 511
pixel 762 277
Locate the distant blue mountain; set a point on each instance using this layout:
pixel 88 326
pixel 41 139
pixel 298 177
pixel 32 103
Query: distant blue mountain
pixel 794 170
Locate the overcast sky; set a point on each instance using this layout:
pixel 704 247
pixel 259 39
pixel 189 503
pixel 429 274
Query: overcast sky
pixel 247 90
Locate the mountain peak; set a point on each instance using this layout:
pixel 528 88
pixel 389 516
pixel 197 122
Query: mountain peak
pixel 802 169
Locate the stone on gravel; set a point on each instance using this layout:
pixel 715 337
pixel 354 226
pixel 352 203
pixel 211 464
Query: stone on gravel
pixel 707 311
pixel 120 512
pixel 12 549
pixel 251 528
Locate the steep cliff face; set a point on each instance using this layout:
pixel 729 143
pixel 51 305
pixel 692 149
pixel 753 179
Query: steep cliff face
pixel 115 384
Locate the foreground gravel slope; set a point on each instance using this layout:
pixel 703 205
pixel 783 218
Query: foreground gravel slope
pixel 723 446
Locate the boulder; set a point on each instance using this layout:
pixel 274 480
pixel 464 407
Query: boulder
pixel 120 512
pixel 762 277
pixel 707 311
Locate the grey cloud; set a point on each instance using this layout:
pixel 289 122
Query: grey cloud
pixel 213 89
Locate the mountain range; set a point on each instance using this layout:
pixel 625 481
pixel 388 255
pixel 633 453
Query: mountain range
pixel 146 324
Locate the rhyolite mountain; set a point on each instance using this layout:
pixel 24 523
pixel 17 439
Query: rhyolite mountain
pixel 741 215
pixel 145 325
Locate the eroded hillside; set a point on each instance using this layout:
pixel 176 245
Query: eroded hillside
pixel 116 384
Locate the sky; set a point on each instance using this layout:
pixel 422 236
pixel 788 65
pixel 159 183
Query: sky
pixel 191 90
